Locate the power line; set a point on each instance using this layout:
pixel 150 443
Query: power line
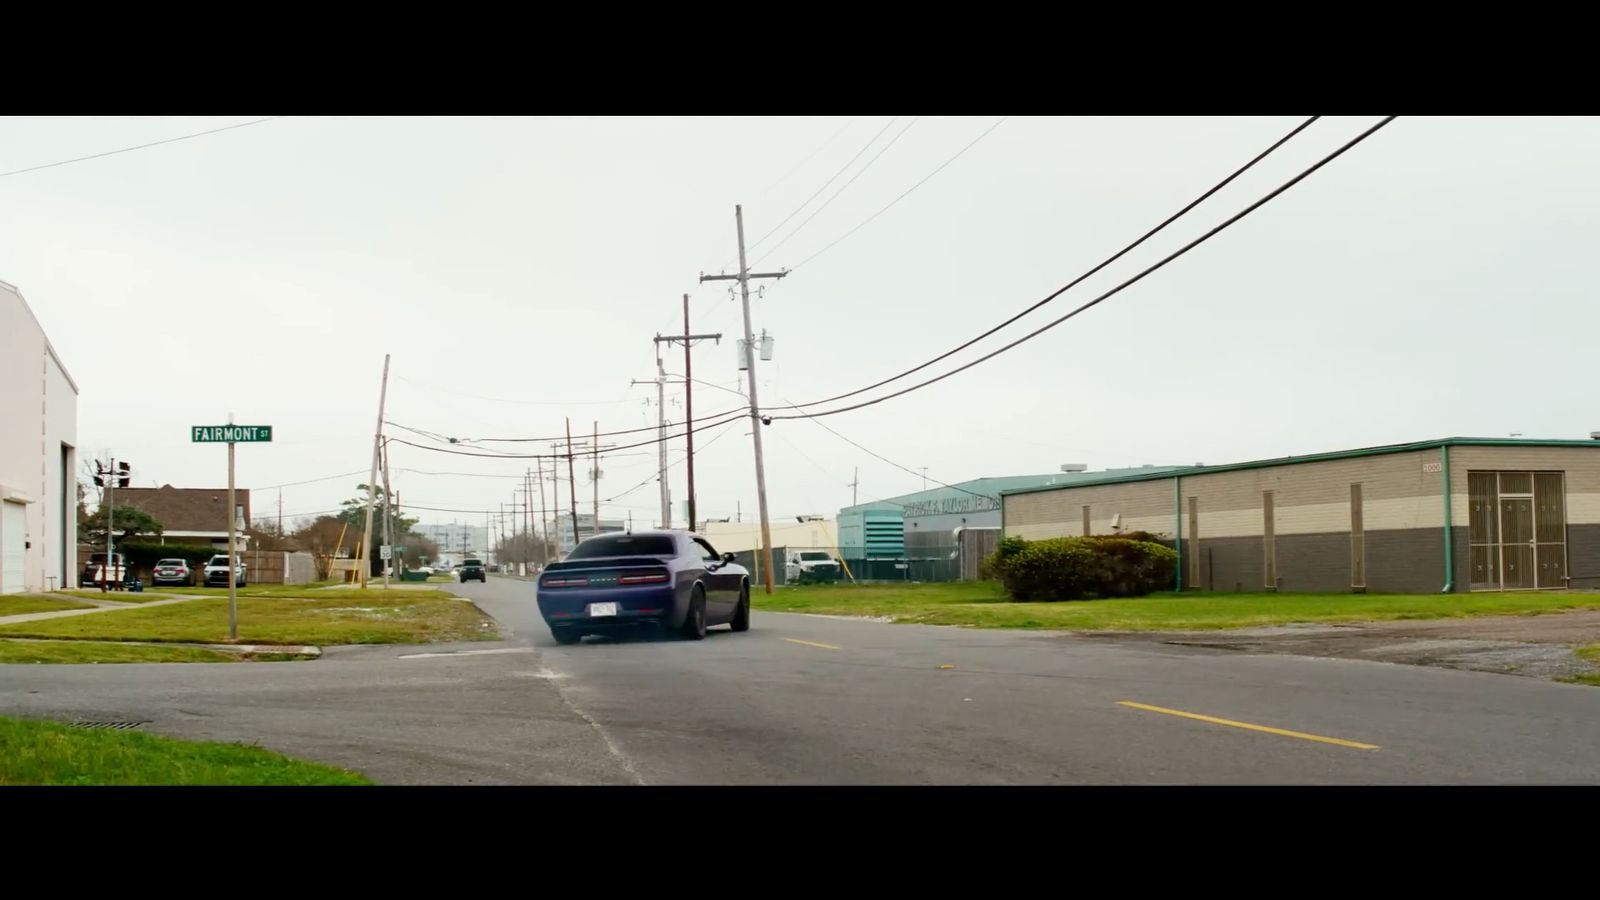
pixel 1074 282
pixel 311 481
pixel 494 455
pixel 824 187
pixel 1069 285
pixel 907 193
pixel 656 475
pixel 846 186
pixel 742 410
pixel 457 393
pixel 171 140
pixel 1118 289
pixel 922 474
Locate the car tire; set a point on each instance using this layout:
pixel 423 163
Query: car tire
pixel 741 613
pixel 565 636
pixel 694 623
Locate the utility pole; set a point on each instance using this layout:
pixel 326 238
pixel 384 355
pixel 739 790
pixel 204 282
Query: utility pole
pixel 660 382
pixel 544 521
pixel 743 278
pixel 572 482
pixel 595 476
pixel 388 518
pixel 280 512
pixel 854 484
pixel 688 341
pixel 372 481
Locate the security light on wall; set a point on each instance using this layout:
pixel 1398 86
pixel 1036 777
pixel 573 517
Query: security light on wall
pixel 1116 522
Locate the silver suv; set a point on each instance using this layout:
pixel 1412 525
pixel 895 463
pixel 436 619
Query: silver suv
pixel 217 572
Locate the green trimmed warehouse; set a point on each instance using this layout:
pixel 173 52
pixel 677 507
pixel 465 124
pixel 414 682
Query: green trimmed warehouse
pixel 1455 514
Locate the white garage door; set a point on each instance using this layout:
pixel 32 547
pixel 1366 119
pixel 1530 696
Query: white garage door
pixel 13 530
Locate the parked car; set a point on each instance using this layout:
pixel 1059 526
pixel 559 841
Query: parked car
pixel 216 573
pixel 172 571
pixel 472 570
pixel 811 567
pixel 97 561
pixel 664 579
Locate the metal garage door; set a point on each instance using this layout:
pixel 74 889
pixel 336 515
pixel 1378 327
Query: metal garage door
pixel 13 529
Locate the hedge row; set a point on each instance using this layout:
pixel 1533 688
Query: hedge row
pixel 1130 565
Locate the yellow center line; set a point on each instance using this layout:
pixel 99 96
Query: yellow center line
pixel 811 644
pixel 1249 727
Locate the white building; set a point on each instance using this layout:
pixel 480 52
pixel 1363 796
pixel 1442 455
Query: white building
pixel 456 541
pixel 563 525
pixel 38 456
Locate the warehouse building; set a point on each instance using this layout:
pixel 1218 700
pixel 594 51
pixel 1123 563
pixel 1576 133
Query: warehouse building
pixel 941 534
pixel 1456 514
pixel 38 455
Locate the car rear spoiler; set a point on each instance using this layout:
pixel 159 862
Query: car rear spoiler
pixel 613 562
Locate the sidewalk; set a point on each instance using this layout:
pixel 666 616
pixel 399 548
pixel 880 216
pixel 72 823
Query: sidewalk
pixel 100 606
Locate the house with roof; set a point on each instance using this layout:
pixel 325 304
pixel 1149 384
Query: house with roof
pixel 191 515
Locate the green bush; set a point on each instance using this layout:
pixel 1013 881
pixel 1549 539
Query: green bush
pixel 1079 568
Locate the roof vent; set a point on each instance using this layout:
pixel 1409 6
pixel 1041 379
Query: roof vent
pixel 1074 467
pixel 1594 435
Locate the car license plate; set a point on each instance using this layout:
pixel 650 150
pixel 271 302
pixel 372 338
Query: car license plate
pixel 597 610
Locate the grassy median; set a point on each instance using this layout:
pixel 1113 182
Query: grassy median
pixel 20 604
pixel 68 652
pixel 321 618
pixel 46 753
pixel 984 605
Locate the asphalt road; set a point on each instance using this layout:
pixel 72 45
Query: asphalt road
pixel 811 700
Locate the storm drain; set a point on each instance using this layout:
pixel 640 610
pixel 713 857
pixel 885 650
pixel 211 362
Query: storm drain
pixel 109 726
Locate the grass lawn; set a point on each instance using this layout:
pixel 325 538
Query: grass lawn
pixel 983 605
pixel 322 617
pixel 49 753
pixel 1592 654
pixel 18 604
pixel 105 652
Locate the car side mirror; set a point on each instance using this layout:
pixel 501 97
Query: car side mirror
pixel 728 558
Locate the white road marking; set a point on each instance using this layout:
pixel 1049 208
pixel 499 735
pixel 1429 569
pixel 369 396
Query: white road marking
pixel 466 653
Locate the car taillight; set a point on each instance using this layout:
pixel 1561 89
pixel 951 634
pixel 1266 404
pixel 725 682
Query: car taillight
pixel 654 578
pixel 578 581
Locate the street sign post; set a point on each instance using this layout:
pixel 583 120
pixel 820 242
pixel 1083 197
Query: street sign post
pixel 231 434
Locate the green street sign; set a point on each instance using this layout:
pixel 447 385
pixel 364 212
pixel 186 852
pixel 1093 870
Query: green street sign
pixel 231 434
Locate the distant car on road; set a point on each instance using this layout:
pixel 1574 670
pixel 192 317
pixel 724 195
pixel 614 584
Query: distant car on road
pixel 666 579
pixel 172 571
pixel 472 570
pixel 216 573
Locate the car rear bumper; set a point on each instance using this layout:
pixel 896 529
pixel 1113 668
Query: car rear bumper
pixel 570 608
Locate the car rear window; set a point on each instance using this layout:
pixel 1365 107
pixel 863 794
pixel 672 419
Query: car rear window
pixel 473 562
pixel 815 557
pixel 625 545
pixel 170 562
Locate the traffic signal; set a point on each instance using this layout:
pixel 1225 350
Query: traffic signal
pixel 99 474
pixel 124 474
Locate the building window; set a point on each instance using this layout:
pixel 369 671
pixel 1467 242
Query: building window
pixel 1518 530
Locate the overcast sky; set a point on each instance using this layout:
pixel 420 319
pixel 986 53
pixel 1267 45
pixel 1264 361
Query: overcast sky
pixel 1434 281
